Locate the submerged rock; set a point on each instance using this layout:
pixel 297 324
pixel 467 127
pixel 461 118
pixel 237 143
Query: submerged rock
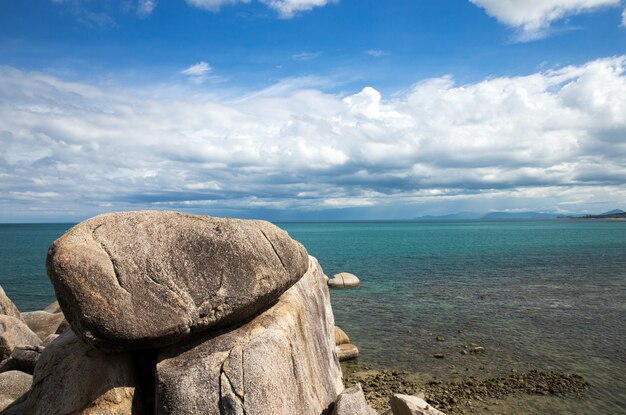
pixel 146 279
pixel 13 333
pixel 7 307
pixel 344 280
pixel 71 377
pixel 43 323
pixel 14 385
pixel 280 363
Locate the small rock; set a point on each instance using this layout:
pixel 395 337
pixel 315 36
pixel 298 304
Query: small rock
pixel 346 351
pixel 13 333
pixel 411 405
pixel 23 358
pixel 352 402
pixel 440 338
pixel 7 307
pixel 439 355
pixel 43 323
pixel 477 349
pixel 341 337
pixel 344 280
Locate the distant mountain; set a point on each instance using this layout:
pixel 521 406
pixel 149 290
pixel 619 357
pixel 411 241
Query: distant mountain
pixel 612 212
pixel 519 215
pixel 451 216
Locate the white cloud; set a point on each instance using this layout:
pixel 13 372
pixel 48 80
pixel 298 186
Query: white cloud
pixel 306 56
pixel 549 138
pixel 288 8
pixel 624 18
pixel 145 7
pixel 533 17
pixel 214 5
pixel 198 72
pixel 375 53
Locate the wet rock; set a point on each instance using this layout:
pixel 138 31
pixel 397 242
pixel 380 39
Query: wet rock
pixel 411 405
pixel 346 351
pixel 7 307
pixel 352 402
pixel 13 333
pixel 344 280
pixel 281 362
pixel 146 279
pixel 71 377
pixel 14 385
pixel 23 358
pixel 43 323
pixel 340 336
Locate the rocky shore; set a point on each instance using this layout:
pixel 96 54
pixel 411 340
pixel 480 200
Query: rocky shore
pixel 166 313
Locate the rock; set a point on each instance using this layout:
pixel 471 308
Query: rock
pixel 341 337
pixel 23 358
pixel 344 280
pixel 43 323
pixel 53 308
pixel 440 338
pixel 346 352
pixel 145 279
pixel 280 363
pixel 7 307
pixel 14 332
pixel 439 355
pixel 411 405
pixel 477 350
pixel 72 377
pixel 50 339
pixel 13 386
pixel 352 402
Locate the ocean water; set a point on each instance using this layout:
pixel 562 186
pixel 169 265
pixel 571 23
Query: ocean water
pixel 536 294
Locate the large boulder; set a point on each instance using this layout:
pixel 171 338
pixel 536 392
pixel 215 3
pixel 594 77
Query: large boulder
pixel 344 280
pixel 341 337
pixel 14 385
pixel 411 405
pixel 71 377
pixel 7 307
pixel 13 333
pixel 43 323
pixel 146 279
pixel 53 308
pixel 282 362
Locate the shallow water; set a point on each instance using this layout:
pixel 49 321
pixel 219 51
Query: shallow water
pixel 544 295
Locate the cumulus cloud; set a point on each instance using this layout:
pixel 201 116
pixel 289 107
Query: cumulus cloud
pixel 550 138
pixel 533 17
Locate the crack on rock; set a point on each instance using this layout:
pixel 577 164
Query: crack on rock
pixel 233 390
pixel 106 251
pixel 274 249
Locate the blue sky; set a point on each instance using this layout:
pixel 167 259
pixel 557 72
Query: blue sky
pixel 311 109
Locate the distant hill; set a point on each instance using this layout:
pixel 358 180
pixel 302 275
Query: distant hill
pixel 451 216
pixel 519 215
pixel 612 214
pixel 487 216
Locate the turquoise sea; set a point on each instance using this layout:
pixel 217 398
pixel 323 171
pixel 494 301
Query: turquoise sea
pixel 535 294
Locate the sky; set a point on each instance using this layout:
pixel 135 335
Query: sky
pixel 311 109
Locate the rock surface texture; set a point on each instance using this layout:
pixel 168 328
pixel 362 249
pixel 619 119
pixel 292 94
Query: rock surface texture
pixel 71 377
pixel 42 322
pixel 13 333
pixel 344 280
pixel 23 358
pixel 146 279
pixel 7 307
pixel 352 402
pixel 13 386
pixel 411 405
pixel 282 362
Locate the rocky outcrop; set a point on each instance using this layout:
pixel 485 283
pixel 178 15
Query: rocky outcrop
pixel 352 402
pixel 411 405
pixel 14 385
pixel 43 323
pixel 7 307
pixel 71 377
pixel 344 280
pixel 280 362
pixel 146 279
pixel 13 333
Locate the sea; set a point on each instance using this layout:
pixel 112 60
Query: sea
pixel 545 295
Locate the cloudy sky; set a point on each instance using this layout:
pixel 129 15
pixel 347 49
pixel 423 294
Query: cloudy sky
pixel 311 109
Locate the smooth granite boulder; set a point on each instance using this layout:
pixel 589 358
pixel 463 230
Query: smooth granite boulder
pixel 282 362
pixel 147 279
pixel 340 336
pixel 13 333
pixel 352 402
pixel 344 280
pixel 7 307
pixel 347 351
pixel 14 385
pixel 43 323
pixel 71 377
pixel 411 405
